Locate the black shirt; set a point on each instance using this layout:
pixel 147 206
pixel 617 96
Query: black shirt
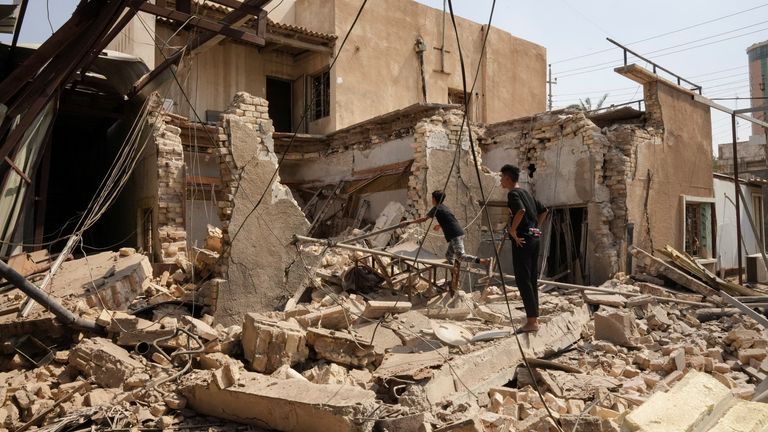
pixel 446 219
pixel 518 199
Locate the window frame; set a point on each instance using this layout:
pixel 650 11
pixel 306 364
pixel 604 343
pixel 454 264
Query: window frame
pixel 320 105
pixel 712 249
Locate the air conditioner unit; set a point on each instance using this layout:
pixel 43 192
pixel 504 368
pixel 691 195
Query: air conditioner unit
pixel 756 271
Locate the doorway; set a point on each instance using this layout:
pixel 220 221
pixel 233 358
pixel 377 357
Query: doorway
pixel 566 246
pixel 279 98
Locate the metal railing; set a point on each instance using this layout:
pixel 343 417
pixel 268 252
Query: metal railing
pixel 639 102
pixel 680 80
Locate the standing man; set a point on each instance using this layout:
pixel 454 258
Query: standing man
pixel 527 215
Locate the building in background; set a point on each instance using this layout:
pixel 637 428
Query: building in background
pixel 758 68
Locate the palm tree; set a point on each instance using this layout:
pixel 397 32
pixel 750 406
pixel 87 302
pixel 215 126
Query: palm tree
pixel 586 104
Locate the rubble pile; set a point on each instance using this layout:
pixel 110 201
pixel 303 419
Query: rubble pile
pixel 363 348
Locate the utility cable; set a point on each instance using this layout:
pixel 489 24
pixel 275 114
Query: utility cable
pixel 601 66
pixel 663 34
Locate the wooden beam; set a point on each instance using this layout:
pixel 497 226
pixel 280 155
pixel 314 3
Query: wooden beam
pixel 225 29
pixel 656 264
pixel 237 17
pixel 96 23
pixel 203 41
pixel 295 43
pixel 18 170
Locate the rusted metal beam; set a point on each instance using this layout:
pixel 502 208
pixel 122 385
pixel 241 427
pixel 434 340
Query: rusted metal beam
pixel 17 170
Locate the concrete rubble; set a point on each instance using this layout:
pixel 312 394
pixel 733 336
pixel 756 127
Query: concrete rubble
pixel 254 329
pixel 338 361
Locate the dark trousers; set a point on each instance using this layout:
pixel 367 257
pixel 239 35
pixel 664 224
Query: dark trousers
pixel 525 260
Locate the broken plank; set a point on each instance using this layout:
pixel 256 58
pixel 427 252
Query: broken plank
pixel 672 273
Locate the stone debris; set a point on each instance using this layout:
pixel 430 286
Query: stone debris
pixel 351 363
pixel 269 344
pixel 244 331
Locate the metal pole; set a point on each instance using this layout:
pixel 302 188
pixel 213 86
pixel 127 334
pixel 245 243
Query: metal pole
pixel 549 83
pixel 736 188
pixel 300 238
pixel 64 315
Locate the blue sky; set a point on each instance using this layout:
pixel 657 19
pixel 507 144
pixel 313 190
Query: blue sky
pixel 711 54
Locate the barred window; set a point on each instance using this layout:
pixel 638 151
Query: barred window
pixel 321 95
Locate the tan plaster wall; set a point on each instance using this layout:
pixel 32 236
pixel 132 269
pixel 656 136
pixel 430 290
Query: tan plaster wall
pixel 680 163
pixel 515 77
pixel 379 72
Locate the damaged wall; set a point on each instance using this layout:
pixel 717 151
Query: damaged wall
pixel 680 163
pixel 436 143
pixel 171 238
pixel 567 160
pixel 259 262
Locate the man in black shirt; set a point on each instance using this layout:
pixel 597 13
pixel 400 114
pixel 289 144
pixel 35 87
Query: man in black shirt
pixel 527 215
pixel 452 230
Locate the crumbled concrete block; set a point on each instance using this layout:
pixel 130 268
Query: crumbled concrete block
pixel 213 361
pixel 174 401
pixel 269 344
pixel 24 399
pixel 99 397
pixel 613 300
pixel 618 327
pixel 200 328
pixel 377 309
pixel 158 410
pixel 108 364
pixel 678 357
pixel 743 416
pixel 138 380
pixel 228 375
pixel 334 317
pixel 285 405
pixel 342 348
pixel 683 408
pixel 657 318
pixel 745 355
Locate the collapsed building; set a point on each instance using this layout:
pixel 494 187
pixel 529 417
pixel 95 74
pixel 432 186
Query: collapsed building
pixel 208 308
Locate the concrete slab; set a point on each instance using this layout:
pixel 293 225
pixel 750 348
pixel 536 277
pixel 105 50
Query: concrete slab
pixel 494 365
pixel 743 417
pixel 262 267
pixel 683 408
pixel 283 405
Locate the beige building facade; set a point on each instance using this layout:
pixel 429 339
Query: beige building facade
pixel 395 47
